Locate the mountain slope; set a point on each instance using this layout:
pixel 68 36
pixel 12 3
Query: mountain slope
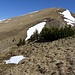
pixel 13 29
pixel 57 57
pixel 45 58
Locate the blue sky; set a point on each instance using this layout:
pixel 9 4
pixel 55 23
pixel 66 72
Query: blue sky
pixel 12 8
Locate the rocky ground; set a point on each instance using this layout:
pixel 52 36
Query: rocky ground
pixel 48 58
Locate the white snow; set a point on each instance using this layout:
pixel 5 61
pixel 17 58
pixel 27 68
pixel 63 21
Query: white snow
pixel 14 59
pixel 69 22
pixel 31 30
pixel 68 17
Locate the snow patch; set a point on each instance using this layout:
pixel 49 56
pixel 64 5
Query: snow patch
pixel 69 22
pixel 69 18
pixel 31 30
pixel 14 59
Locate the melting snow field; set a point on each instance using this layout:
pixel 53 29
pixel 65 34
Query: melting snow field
pixel 69 18
pixel 31 30
pixel 14 59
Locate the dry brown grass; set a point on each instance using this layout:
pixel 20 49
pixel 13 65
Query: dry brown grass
pixel 48 58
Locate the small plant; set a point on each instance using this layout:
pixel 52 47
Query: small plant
pixel 21 42
pixel 35 36
pixel 42 70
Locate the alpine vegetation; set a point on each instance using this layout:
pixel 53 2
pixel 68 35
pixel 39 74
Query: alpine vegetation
pixel 53 33
pixel 31 30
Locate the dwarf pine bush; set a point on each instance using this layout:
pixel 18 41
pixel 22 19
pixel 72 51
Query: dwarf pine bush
pixel 21 42
pixel 53 33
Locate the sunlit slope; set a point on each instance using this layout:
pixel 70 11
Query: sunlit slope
pixel 13 29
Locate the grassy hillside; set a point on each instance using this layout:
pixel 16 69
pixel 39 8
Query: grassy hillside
pixel 48 58
pixel 15 28
pixel 41 58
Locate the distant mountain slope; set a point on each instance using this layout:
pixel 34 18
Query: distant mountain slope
pixel 13 29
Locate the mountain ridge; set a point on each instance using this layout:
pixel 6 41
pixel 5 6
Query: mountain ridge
pixel 16 27
pixel 36 58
